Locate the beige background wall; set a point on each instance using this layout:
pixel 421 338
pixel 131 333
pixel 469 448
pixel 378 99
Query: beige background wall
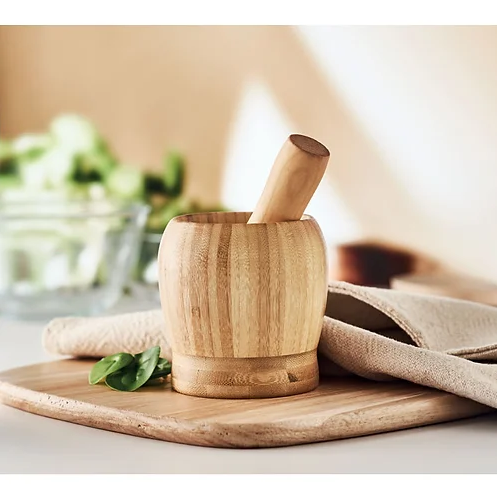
pixel 149 88
pixel 409 114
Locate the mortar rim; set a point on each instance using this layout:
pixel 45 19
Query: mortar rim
pixel 191 219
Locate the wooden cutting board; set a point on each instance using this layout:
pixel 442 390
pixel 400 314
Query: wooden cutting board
pixel 338 408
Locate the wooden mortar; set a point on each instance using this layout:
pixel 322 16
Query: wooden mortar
pixel 244 301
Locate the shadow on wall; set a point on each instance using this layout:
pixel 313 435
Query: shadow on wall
pixel 149 88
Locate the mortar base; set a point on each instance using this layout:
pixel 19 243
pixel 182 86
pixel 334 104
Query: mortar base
pixel 245 378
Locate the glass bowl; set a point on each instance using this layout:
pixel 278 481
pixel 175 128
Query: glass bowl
pixel 68 257
pixel 147 269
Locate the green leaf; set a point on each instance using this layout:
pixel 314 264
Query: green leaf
pixel 161 363
pixel 133 377
pixel 108 365
pixel 163 368
pixel 174 174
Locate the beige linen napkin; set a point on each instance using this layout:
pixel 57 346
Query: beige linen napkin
pixel 379 334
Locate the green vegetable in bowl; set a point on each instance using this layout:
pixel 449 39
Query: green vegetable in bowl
pixel 8 165
pixel 174 173
pixel 154 185
pixel 6 151
pixel 73 161
pixel 160 217
pixel 29 146
pixel 93 166
pixel 8 182
pixel 125 182
pixel 75 133
pixel 49 170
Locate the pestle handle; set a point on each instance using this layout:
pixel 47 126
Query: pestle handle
pixel 294 177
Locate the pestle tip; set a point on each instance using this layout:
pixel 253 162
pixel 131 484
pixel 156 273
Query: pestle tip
pixel 309 145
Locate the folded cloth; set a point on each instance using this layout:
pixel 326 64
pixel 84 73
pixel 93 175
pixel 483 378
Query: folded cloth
pixel 379 334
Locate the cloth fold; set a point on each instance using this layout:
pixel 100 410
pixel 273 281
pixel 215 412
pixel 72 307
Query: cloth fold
pixel 379 334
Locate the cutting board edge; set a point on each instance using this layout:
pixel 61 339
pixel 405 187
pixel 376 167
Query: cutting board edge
pixel 225 435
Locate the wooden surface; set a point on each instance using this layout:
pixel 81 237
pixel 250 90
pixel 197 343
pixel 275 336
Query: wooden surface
pixel 294 177
pixel 448 285
pixel 338 408
pixel 235 290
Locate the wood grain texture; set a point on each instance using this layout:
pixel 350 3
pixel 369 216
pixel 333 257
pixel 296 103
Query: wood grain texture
pixel 338 408
pixel 294 177
pixel 235 290
pixel 251 378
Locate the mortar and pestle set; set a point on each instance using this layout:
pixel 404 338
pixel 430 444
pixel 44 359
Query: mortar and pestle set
pixel 244 297
pixel 244 294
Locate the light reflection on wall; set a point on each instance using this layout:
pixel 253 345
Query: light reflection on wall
pixel 258 131
pixel 427 97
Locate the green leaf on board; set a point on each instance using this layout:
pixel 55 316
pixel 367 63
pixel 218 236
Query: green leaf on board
pixel 109 365
pixel 162 369
pixel 133 377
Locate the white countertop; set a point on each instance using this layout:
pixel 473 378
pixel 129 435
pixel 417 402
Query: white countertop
pixel 34 444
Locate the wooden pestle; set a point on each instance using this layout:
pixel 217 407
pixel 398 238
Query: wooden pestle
pixel 294 177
